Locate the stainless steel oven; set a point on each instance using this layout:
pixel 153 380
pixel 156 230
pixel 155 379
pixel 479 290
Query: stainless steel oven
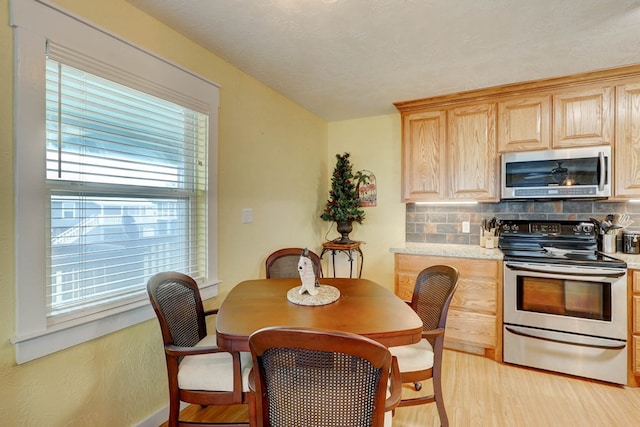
pixel 565 304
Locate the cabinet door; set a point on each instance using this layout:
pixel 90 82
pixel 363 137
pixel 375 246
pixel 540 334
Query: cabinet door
pixel 635 362
pixel 472 153
pixel 524 124
pixel 627 148
pixel 423 156
pixel 583 118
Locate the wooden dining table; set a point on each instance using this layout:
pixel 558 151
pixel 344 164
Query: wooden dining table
pixel 364 308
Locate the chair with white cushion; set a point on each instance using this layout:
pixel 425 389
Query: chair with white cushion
pixel 199 372
pixel 432 294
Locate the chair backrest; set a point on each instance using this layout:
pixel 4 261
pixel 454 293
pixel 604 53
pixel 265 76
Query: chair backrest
pixel 432 294
pixel 176 300
pixel 312 377
pixel 283 263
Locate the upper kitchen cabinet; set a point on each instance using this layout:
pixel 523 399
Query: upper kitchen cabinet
pixel 452 143
pixel 583 117
pixel 450 154
pixel 472 154
pixel 575 118
pixel 524 124
pixel 627 146
pixel 424 155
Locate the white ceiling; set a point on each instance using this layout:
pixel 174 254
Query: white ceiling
pixel 344 59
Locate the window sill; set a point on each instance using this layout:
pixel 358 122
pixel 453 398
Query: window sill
pixel 58 338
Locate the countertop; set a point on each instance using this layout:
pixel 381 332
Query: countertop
pixel 632 260
pixel 473 251
pixel 441 249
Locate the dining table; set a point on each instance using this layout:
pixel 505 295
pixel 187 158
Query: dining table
pixel 363 307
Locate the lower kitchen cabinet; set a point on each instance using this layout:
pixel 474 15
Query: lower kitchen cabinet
pixel 635 327
pixel 474 322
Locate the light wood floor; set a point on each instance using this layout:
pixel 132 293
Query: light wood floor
pixel 481 392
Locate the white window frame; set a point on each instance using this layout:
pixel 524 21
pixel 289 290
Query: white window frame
pixel 35 22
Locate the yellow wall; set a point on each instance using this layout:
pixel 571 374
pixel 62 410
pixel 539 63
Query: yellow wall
pixel 374 145
pixel 272 158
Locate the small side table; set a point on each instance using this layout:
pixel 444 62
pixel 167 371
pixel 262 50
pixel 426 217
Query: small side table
pixel 352 250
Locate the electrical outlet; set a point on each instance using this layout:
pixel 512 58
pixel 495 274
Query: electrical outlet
pixel 466 227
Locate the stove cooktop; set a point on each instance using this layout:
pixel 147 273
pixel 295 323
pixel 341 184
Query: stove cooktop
pixel 592 258
pixel 553 242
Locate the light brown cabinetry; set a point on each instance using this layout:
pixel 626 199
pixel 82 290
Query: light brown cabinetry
pixel 583 117
pixel 595 108
pixel 635 325
pixel 424 155
pixel 450 154
pixel 627 146
pixel 566 119
pixel 472 153
pixel 524 124
pixel 475 318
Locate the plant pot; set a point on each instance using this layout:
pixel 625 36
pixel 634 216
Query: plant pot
pixel 344 228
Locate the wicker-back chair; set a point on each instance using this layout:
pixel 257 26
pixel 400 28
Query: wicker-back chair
pixel 283 263
pixel 312 377
pixel 198 371
pixel 432 295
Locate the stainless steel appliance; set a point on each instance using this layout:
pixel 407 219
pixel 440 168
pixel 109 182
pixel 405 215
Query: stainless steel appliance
pixel 565 303
pixel 583 172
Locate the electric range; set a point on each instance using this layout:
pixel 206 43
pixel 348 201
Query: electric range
pixel 554 242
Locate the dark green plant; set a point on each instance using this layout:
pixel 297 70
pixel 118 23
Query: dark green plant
pixel 344 203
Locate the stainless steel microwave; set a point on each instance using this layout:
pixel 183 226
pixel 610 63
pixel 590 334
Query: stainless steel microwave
pixel 583 172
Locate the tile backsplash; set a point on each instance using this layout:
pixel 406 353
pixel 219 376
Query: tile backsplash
pixel 443 223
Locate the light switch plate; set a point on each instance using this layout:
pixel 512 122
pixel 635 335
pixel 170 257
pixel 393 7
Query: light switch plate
pixel 466 227
pixel 247 215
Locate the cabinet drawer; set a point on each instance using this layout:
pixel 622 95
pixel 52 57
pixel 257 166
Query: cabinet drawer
pixel 467 267
pixel 475 329
pixel 636 281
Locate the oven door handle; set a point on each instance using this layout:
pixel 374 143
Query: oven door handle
pixel 583 274
pixel 599 345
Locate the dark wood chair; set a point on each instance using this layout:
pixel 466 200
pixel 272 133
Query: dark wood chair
pixel 432 295
pixel 283 263
pixel 198 371
pixel 314 377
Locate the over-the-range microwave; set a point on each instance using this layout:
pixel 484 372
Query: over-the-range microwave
pixel 583 172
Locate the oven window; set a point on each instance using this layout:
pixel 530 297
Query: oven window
pixel 571 298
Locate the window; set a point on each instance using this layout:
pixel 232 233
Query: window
pixel 131 154
pixel 115 166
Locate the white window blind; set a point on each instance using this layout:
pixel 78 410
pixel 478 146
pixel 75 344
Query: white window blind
pixel 126 178
pixel 115 173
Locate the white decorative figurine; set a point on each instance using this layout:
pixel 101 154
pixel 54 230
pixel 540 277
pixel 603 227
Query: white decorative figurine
pixel 307 274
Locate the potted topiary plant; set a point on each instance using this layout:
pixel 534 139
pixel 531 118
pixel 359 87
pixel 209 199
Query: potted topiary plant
pixel 343 206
